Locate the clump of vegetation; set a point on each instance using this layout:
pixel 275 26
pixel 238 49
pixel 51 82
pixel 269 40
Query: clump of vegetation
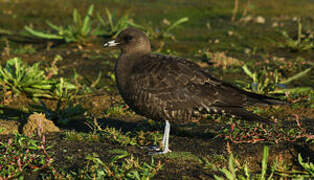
pixel 269 82
pixel 19 77
pixel 22 154
pixel 237 171
pixel 114 25
pixel 164 33
pixel 116 136
pixel 80 31
pixel 123 166
pixel 302 42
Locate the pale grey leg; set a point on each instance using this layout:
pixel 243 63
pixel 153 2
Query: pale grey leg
pixel 165 140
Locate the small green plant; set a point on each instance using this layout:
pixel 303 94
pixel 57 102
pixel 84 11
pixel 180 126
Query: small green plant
pixel 19 77
pixel 114 25
pixel 122 166
pixel 116 136
pixel 301 43
pixel 80 31
pixel 269 82
pixel 166 32
pixel 64 90
pixel 115 110
pixel 163 33
pixel 236 171
pixel 307 166
pixel 242 172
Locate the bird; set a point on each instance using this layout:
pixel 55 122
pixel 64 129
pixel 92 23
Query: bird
pixel 174 89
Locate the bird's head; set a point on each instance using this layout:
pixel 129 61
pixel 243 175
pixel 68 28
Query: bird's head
pixel 131 40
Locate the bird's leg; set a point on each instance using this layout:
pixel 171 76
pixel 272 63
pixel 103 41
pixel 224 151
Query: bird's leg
pixel 165 140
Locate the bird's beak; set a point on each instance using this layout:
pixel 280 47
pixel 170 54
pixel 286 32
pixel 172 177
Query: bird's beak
pixel 111 44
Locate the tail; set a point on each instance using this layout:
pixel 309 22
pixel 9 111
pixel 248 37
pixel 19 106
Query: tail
pixel 246 115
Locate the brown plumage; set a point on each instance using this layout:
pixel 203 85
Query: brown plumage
pixel 175 89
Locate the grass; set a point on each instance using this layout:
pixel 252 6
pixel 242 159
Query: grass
pixel 124 166
pixel 113 25
pixel 266 81
pixel 237 171
pixel 302 42
pixel 80 31
pixel 21 154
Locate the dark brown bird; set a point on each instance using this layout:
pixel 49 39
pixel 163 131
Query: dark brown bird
pixel 174 89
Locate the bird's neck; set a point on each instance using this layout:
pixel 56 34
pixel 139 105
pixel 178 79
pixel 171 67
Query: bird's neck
pixel 124 67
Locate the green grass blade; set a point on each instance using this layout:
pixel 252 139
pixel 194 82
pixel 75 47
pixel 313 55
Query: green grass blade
pixel 231 166
pixel 109 16
pixel 76 17
pixel 297 90
pixel 4 31
pixel 101 20
pixel 248 72
pixel 42 34
pixel 228 174
pixel 178 22
pixel 53 26
pixel 87 23
pixel 297 76
pixel 264 162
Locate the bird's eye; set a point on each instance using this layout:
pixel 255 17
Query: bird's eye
pixel 128 38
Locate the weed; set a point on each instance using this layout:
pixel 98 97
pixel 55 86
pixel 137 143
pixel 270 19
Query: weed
pixel 266 81
pixel 115 110
pixel 116 136
pixel 303 41
pixel 21 154
pixel 128 138
pixel 27 49
pixel 306 171
pixel 307 166
pixel 64 90
pixel 147 138
pixel 18 77
pixel 165 32
pixel 79 136
pixel 236 171
pixel 122 166
pixel 114 25
pixel 80 31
